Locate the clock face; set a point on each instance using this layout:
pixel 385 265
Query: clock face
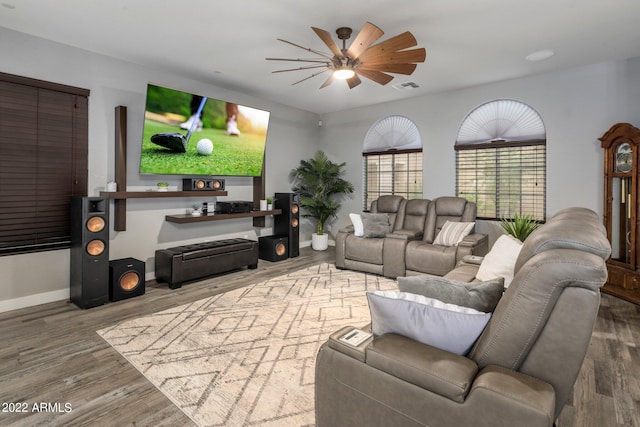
pixel 624 158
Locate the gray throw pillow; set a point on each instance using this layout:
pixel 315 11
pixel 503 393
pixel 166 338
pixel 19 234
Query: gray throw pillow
pixel 481 296
pixel 375 224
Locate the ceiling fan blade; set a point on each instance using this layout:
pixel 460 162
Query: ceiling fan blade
pixel 376 76
pixel 327 82
pixel 388 57
pixel 322 61
pixel 394 44
pixel 324 55
pixel 365 38
pixel 354 81
pixel 300 68
pixel 307 78
pixel 390 68
pixel 326 38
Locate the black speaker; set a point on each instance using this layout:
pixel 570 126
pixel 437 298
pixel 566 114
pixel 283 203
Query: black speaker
pixel 89 284
pixel 273 248
pixel 126 278
pixel 288 223
pixel 202 184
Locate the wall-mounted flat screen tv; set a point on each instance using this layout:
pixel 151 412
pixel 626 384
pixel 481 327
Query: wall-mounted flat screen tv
pixel 188 134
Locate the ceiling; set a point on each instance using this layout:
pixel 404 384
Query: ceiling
pixel 468 42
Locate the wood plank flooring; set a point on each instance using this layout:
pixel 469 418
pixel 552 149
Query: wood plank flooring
pixel 58 371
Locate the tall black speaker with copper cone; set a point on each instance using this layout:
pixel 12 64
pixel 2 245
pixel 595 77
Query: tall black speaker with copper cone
pixel 89 285
pixel 288 223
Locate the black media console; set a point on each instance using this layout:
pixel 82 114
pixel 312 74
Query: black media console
pixel 190 262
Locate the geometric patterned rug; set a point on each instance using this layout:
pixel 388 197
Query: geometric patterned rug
pixel 247 357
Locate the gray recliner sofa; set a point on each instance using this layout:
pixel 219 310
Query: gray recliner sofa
pixel 409 248
pixel 520 370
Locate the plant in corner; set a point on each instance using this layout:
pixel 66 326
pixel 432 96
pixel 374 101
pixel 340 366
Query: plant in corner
pixel 520 226
pixel 319 183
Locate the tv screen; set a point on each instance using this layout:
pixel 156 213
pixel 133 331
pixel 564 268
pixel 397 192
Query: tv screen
pixel 187 134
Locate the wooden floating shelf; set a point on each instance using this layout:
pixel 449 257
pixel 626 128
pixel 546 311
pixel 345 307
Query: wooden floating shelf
pixel 123 195
pixel 186 219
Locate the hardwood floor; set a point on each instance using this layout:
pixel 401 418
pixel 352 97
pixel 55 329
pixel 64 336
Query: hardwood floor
pixel 56 370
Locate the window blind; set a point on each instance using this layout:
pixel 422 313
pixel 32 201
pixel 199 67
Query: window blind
pixel 392 173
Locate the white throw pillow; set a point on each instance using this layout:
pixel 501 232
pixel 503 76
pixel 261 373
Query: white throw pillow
pixel 358 226
pixel 426 320
pixel 452 233
pixel 501 260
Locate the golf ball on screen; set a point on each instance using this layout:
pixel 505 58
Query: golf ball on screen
pixel 204 147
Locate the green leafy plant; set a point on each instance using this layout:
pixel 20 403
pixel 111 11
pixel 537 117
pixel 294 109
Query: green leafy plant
pixel 520 226
pixel 162 184
pixel 319 183
pixel 269 200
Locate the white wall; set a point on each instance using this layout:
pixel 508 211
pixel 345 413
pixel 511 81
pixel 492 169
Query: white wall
pixel 42 277
pixel 576 105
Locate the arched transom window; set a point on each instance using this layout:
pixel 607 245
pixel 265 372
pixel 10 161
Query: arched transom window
pixel 501 160
pixel 392 159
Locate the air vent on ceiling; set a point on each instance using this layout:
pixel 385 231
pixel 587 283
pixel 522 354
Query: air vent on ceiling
pixel 405 86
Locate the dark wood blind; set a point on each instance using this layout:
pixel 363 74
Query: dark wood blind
pixel 43 162
pixel 396 172
pixel 503 178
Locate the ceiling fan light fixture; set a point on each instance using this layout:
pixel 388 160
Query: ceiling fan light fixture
pixel 343 73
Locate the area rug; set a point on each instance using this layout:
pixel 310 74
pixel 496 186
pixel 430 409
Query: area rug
pixel 247 357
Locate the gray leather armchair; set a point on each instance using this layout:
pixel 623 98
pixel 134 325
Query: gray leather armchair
pixel 520 370
pixel 423 257
pixel 366 255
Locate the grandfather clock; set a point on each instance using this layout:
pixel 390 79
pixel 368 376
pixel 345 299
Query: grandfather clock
pixel 621 145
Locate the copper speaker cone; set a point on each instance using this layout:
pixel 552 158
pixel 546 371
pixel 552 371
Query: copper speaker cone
pixel 129 281
pixel 95 224
pixel 294 208
pixel 294 222
pixel 200 184
pixel 95 247
pixel 216 184
pixel 280 249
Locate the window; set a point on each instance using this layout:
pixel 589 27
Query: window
pixel 43 162
pixel 392 160
pixel 501 160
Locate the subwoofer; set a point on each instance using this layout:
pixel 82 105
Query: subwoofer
pixel 89 228
pixel 202 184
pixel 126 278
pixel 288 223
pixel 273 248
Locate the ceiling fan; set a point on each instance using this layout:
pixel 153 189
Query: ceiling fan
pixel 362 58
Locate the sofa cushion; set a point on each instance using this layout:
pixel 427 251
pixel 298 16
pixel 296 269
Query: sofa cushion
pixel 431 259
pixel 364 250
pixel 358 226
pixel 426 320
pixel 501 260
pixel 375 225
pixel 452 233
pixel 481 296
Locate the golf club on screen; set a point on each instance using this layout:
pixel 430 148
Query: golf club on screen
pixel 176 141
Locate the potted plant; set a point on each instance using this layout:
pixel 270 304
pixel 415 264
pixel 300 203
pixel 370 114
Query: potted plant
pixel 163 186
pixel 319 183
pixel 269 203
pixel 520 226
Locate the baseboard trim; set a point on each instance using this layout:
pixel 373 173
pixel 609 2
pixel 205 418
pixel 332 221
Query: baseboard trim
pixel 31 300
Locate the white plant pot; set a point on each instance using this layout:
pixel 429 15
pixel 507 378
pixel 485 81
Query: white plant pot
pixel 319 242
pixel 263 205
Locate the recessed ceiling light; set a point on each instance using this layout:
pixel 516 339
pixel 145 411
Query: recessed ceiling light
pixel 540 55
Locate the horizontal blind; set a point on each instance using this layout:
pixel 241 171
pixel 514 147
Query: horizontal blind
pixel 43 162
pixel 503 180
pixel 397 173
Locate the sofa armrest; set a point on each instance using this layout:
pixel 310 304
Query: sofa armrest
pixel 473 244
pixel 357 352
pixel 472 259
pixel 473 240
pixel 406 234
pixel 447 374
pixel 347 229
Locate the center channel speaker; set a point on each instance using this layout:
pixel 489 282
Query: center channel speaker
pixel 273 248
pixel 202 184
pixel 288 223
pixel 126 278
pixel 89 228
